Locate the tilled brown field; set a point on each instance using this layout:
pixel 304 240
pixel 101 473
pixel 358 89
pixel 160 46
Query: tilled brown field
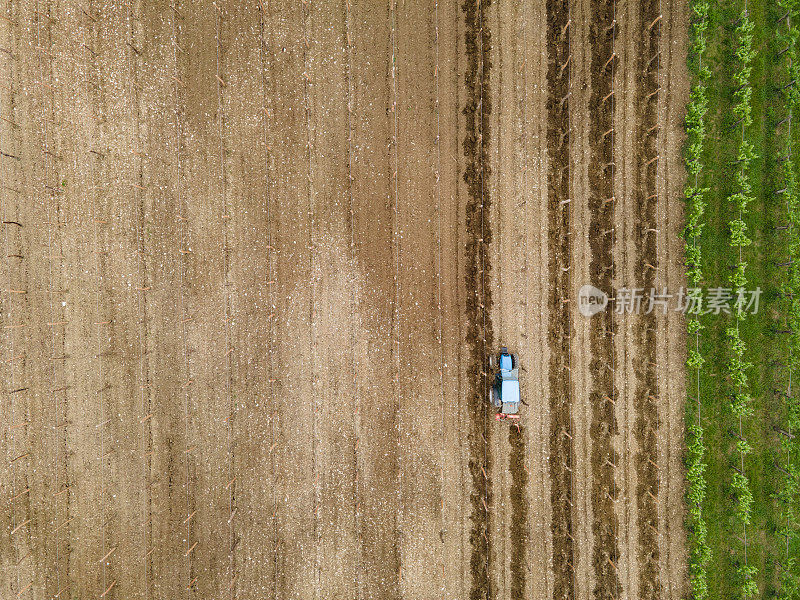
pixel 255 257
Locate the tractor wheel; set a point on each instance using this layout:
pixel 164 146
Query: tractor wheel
pixel 491 362
pixel 494 397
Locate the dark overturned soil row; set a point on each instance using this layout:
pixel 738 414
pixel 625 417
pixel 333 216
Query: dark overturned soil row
pixel 478 304
pixel 559 221
pixel 603 395
pixel 519 510
pixel 645 334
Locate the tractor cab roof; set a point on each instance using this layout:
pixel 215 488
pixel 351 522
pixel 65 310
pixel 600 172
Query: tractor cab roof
pixel 510 391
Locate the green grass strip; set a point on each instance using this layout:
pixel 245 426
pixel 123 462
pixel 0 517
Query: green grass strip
pixel 697 532
pixel 786 459
pixel 738 366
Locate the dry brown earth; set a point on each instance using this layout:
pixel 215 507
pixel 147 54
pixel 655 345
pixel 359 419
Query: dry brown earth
pixel 255 257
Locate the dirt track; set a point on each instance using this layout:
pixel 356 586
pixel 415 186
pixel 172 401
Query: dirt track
pixel 255 258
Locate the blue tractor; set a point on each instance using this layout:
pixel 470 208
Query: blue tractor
pixel 504 392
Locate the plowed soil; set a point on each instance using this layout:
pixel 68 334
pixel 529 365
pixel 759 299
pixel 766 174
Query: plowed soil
pixel 256 256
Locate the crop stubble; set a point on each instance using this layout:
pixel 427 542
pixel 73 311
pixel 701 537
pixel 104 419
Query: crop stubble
pixel 603 394
pixel 646 389
pixel 559 218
